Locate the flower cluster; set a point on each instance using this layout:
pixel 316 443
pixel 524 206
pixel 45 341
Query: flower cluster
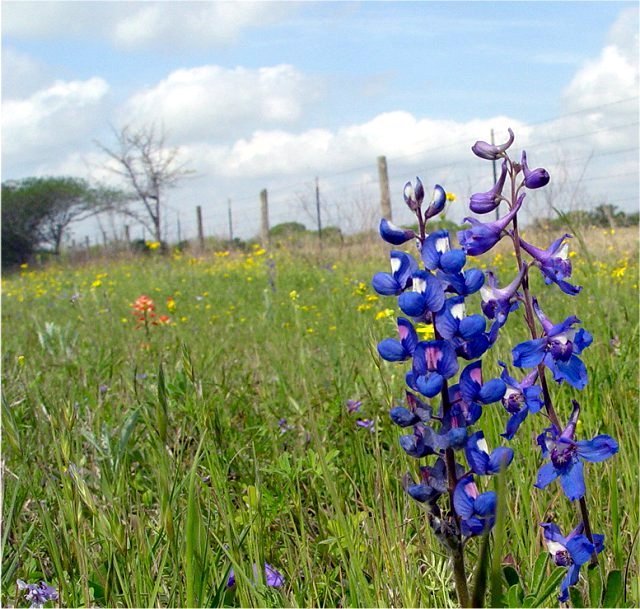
pixel 446 391
pixel 144 310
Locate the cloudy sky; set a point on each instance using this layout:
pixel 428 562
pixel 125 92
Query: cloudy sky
pixel 274 94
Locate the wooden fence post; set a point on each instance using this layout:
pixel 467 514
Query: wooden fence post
pixel 200 230
pixel 385 193
pixel 264 209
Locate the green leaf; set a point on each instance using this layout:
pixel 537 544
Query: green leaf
pixel 551 585
pixel 511 575
pixel 595 587
pixel 162 408
pixel 515 596
pixel 539 573
pixel 614 591
pixel 576 598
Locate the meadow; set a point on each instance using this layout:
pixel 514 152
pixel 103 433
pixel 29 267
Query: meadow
pixel 142 462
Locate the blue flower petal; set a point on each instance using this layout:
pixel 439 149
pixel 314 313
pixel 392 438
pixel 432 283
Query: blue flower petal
pixel 500 457
pixel 514 423
pixel 572 481
pixel 492 391
pixel 386 285
pixel 471 326
pixel 529 353
pixel 403 416
pixel 392 350
pixel 430 385
pixel 580 549
pixel 452 261
pixel 485 504
pixel 462 502
pixel 394 234
pixel 598 449
pixel 546 475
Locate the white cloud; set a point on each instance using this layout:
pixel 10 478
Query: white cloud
pixel 215 102
pixel 22 75
pixel 135 25
pixel 51 122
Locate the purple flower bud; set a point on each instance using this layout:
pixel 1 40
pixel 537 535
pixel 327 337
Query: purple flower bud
pixel 394 234
pixel 438 200
pixel 536 178
pixel 484 202
pixel 413 197
pixel 490 151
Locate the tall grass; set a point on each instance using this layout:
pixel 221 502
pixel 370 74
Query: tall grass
pixel 138 470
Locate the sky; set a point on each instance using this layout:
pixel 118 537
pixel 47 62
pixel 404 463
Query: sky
pixel 273 95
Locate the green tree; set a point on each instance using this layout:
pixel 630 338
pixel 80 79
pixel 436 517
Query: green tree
pixel 36 213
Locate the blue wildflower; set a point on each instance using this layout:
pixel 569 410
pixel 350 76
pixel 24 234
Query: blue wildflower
pixel 520 399
pixel 436 253
pixel 477 511
pixel 433 362
pixel 554 263
pixel 558 349
pixel 567 456
pixel 452 321
pixel 394 350
pixel 497 302
pixel 482 236
pixel 427 295
pixel 272 577
pixel 480 460
pixel 402 268
pixel 571 551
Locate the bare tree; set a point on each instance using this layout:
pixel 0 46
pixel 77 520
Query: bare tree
pixel 149 168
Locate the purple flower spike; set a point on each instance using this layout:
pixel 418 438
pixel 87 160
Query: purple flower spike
pixel 571 551
pixel 567 456
pixel 497 302
pixel 392 284
pixel 413 197
pixel 534 178
pixel 394 234
pixel 554 263
pixel 482 236
pixel 491 152
pixel 484 202
pixel 438 200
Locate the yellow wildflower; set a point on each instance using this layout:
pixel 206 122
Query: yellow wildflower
pixel 426 331
pixel 385 313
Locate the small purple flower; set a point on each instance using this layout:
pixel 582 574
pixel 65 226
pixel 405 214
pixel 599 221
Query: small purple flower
pixel 497 302
pixel 453 321
pixel 557 348
pixel 394 234
pixel 417 412
pixel 402 268
pixel 482 236
pixel 567 456
pixel 492 152
pixel 284 427
pixel 436 253
pixel 477 511
pixel 480 460
pixel 520 399
pixel 554 263
pixel 432 484
pixel 427 296
pixel 433 362
pixel 102 389
pixel 354 406
pixel 394 350
pixel 272 577
pixel 571 551
pixel 485 202
pixel 534 178
pixel 366 424
pixel 413 197
pixel 38 594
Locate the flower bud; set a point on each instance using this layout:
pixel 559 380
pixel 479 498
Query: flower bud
pixel 413 197
pixel 533 178
pixel 491 152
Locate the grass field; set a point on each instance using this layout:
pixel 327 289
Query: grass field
pixel 140 465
